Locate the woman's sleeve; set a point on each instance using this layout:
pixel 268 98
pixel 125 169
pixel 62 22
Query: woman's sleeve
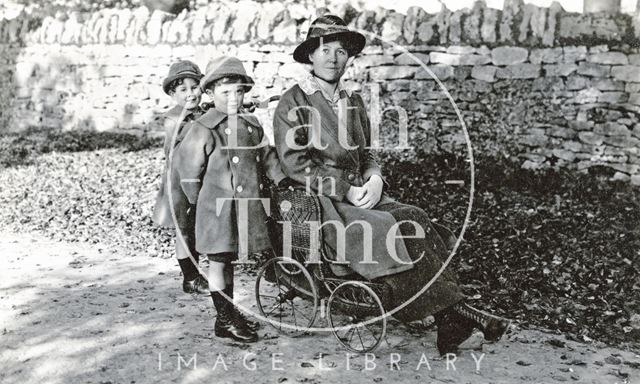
pixel 192 157
pixel 369 165
pixel 297 161
pixel 270 160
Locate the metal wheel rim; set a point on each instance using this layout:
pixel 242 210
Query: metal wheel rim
pixel 382 317
pixel 313 295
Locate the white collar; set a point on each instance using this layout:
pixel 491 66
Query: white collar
pixel 309 85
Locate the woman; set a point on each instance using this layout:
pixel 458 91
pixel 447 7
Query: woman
pixel 321 132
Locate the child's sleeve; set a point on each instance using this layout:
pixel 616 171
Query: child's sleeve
pixel 192 157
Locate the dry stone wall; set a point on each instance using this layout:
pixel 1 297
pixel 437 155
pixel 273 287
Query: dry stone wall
pixel 548 87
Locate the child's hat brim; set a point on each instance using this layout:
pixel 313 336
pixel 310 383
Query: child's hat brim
pixel 183 75
pixel 180 70
pixel 226 66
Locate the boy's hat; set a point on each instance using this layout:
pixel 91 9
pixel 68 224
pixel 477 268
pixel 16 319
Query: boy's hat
pixel 181 69
pixel 225 66
pixel 329 28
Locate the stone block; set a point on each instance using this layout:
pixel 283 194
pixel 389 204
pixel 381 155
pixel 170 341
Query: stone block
pixel 635 180
pixel 613 97
pixel 612 129
pixel 561 132
pixel 610 58
pixel 580 125
pixel 575 83
pixel 458 59
pixel 286 31
pixel 510 13
pixel 549 35
pixel 573 54
pixel 277 57
pixel 509 55
pixel 634 98
pixel 608 85
pixel 266 71
pixel 545 55
pixel 632 87
pixel 591 138
pixel 426 29
pixel 563 70
pixel 547 84
pixel 564 154
pixel 622 141
pixel 589 95
pixel 594 70
pixel 392 72
pixel 519 71
pixel 572 146
pixel 629 73
pixel 292 70
pixel 441 71
pixel 619 176
pixel 534 140
pixel 461 73
pixel 488 27
pixel 416 58
pixel 455 27
pixel 410 27
pixel 634 59
pixel 392 27
pixel 484 73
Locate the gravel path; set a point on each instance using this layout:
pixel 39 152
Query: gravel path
pixel 74 313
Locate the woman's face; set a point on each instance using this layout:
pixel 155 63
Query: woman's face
pixel 329 61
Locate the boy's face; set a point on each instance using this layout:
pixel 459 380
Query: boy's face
pixel 187 94
pixel 227 97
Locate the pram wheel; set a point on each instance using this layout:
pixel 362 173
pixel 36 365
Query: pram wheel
pixel 361 324
pixel 287 295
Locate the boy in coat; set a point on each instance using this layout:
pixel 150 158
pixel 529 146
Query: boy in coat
pixel 221 163
pixel 172 209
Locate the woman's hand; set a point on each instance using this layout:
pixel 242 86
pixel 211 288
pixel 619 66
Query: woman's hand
pixel 368 195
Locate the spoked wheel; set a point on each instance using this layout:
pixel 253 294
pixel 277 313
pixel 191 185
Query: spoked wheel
pixel 361 325
pixel 286 295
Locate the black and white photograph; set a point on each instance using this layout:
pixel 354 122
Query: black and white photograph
pixel 319 191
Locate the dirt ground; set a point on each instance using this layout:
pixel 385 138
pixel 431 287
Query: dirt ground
pixel 75 313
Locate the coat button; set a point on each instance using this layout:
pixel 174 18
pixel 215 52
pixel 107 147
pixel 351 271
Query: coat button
pixel 227 131
pixel 351 176
pixel 249 129
pixel 239 188
pixel 235 159
pixel 258 158
pixel 261 187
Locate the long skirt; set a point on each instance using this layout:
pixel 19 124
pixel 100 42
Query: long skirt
pixel 444 291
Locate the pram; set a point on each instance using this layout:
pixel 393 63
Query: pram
pixel 291 291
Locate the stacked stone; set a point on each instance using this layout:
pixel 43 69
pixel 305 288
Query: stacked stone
pixel 522 78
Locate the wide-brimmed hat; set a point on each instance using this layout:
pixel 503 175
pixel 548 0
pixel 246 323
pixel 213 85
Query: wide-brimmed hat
pixel 181 69
pixel 225 66
pixel 329 28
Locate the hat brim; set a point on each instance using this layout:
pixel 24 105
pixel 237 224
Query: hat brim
pixel 183 75
pixel 355 43
pixel 206 80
